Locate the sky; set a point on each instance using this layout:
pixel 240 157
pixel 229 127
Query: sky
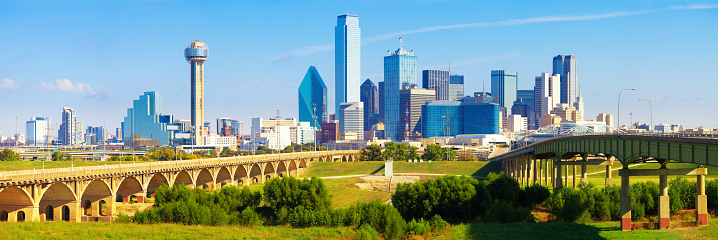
pixel 98 56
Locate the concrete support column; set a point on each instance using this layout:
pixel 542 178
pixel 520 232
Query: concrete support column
pixel 553 172
pixel 559 174
pixel 536 172
pixel 545 175
pixel 664 207
pixel 574 176
pixel 625 202
pixel 564 175
pixel 701 201
pixel 584 169
pixel 609 180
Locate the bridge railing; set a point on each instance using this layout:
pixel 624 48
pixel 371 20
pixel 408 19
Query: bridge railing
pixel 36 174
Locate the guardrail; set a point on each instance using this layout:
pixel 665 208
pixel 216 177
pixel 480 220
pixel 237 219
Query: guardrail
pixel 36 174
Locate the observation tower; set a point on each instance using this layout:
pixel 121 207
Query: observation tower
pixel 196 53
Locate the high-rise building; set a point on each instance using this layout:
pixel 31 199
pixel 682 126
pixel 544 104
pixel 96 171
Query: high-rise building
pixel 260 123
pixel 546 96
pixel 351 118
pixel 196 54
pixel 456 87
pixel 67 134
pixel 526 97
pixel 503 87
pixel 228 127
pixel 313 98
pixel 330 132
pixel 399 73
pixel 145 126
pixel 438 80
pixel 80 134
pixel 605 118
pixel 381 101
pixel 370 98
pixel 451 118
pixel 410 102
pixel 96 135
pixel 565 66
pixel 347 59
pixel 517 123
pixel 37 131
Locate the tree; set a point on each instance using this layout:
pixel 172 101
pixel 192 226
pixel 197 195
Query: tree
pixel 228 153
pixel 401 152
pixel 413 154
pixel 9 155
pixel 449 151
pixel 161 154
pixel 389 151
pixel 59 156
pixel 372 153
pixel 433 152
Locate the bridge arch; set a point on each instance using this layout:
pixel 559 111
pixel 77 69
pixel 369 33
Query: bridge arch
pixel 12 201
pixel 282 169
pixel 269 171
pixel 129 187
pixel 62 199
pixel 155 182
pixel 205 180
pixel 255 174
pixel 223 177
pixel 240 175
pixel 293 168
pixel 302 163
pixel 96 192
pixel 183 177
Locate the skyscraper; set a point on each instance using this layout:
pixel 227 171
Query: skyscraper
pixel 196 53
pixel 438 80
pixel 145 125
pixel 410 103
pixel 503 87
pixel 546 96
pixel 381 101
pixel 456 87
pixel 313 94
pixel 67 134
pixel 399 73
pixel 566 66
pixel 451 118
pixel 37 131
pixel 351 118
pixel 347 59
pixel 370 98
pixel 228 127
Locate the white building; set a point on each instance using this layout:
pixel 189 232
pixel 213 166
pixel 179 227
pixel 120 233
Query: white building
pixel 274 137
pixel 517 123
pixel 547 94
pixel 351 118
pixel 37 131
pixel 217 140
pixel 347 59
pixel 302 133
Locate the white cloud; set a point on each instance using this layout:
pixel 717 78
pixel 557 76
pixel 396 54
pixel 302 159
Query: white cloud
pixel 695 6
pixel 657 98
pixel 64 85
pixel 8 84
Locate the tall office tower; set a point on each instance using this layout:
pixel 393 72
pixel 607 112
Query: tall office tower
pixel 80 134
pixel 438 80
pixel 503 87
pixel 566 67
pixel 456 87
pixel 228 127
pixel 67 134
pixel 605 118
pixel 381 101
pixel 351 118
pixel 413 99
pixel 118 134
pixel 370 98
pixel 526 97
pixel 578 104
pixel 347 59
pixel 313 99
pixel 399 73
pixel 37 131
pixel 547 90
pixel 451 118
pixel 144 125
pixel 196 53
pixel 96 135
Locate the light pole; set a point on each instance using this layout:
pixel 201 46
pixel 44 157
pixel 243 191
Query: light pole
pixel 314 116
pixel 650 105
pixel 618 124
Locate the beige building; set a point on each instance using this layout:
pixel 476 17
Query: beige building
pixel 605 118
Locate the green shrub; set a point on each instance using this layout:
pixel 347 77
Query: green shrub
pixel 301 218
pixel 533 195
pixel 647 194
pixel 419 228
pixel 122 218
pixel 282 216
pixel 366 232
pixel 712 195
pixel 686 190
pixel 502 187
pixel 248 217
pixel 447 196
pixel 567 205
pixel 291 192
pixel 506 212
pixel 638 210
pixel 437 223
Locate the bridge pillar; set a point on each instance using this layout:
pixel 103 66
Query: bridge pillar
pixel 701 201
pixel 625 201
pixel 664 207
pixel 545 174
pixel 609 180
pixel 584 169
pixel 574 175
pixel 535 168
pixel 553 172
pixel 559 174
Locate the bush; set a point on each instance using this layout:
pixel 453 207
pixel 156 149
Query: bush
pixel 437 223
pixel 566 205
pixel 446 196
pixel 638 211
pixel 686 190
pixel 122 218
pixel 366 232
pixel 712 195
pixel 290 192
pixel 419 228
pixel 502 187
pixel 248 217
pixel 506 212
pixel 533 195
pixel 647 195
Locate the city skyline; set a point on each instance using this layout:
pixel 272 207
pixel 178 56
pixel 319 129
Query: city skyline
pixel 76 58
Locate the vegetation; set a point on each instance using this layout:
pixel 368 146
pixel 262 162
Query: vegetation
pixel 396 152
pixel 289 192
pixel 60 156
pixel 9 155
pixel 435 152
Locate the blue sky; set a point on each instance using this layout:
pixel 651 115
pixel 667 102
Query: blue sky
pixel 98 56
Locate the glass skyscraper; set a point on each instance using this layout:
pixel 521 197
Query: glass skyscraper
pixel 566 67
pixel 456 87
pixel 347 60
pixel 234 126
pixel 503 87
pixel 370 98
pixel 351 118
pixel 438 80
pixel 313 93
pixel 451 118
pixel 67 134
pixel 144 126
pixel 399 73
pixel 37 131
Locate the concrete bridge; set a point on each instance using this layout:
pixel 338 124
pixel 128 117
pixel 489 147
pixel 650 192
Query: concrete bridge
pixel 89 193
pixel 546 162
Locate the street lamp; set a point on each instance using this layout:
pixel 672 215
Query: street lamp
pixel 650 128
pixel 618 125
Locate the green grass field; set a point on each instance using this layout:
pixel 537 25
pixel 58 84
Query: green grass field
pixel 326 169
pixel 30 165
pixel 65 230
pixel 607 230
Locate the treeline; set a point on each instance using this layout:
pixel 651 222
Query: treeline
pixel 403 152
pixel 285 201
pixel 9 155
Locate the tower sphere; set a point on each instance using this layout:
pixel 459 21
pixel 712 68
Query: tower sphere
pixel 196 51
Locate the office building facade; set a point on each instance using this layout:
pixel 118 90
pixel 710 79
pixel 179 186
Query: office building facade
pixel 565 66
pixel 451 118
pixel 438 80
pixel 456 87
pixel 347 59
pixel 37 131
pixel 410 102
pixel 382 91
pixel 228 127
pixel 351 118
pixel 145 126
pixel 67 134
pixel 503 87
pixel 547 90
pixel 313 99
pixel 399 73
pixel 370 98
